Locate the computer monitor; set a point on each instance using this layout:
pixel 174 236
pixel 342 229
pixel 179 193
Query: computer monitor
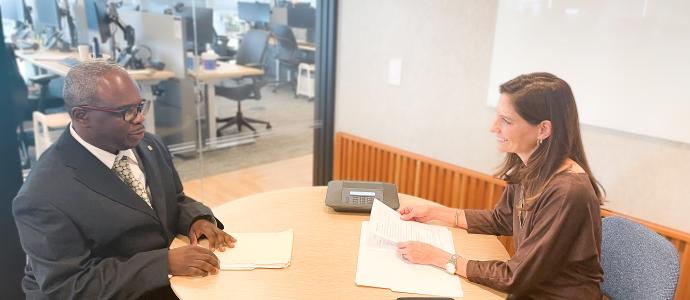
pixel 12 10
pixel 47 16
pixel 97 18
pixel 17 11
pixel 204 27
pixel 91 19
pixel 301 15
pixel 254 12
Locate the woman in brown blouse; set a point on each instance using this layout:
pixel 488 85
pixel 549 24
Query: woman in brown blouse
pixel 550 207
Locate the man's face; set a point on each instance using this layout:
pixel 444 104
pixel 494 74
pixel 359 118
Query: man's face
pixel 108 130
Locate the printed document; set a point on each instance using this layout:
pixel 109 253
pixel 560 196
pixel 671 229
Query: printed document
pixel 378 264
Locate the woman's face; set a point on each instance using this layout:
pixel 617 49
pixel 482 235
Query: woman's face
pixel 513 133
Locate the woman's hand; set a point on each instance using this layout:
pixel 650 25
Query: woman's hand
pixel 423 253
pixel 418 213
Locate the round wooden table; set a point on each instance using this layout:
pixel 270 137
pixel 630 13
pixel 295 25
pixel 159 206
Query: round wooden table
pixel 324 253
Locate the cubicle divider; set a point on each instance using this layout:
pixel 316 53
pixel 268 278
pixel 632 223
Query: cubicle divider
pixel 356 158
pixel 177 121
pixel 163 34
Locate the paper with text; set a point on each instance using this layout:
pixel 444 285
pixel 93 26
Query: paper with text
pixel 386 223
pixel 378 264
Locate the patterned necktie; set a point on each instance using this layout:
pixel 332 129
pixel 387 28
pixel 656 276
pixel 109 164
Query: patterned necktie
pixel 123 171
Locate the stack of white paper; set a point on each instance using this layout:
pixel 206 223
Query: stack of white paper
pixel 378 264
pixel 258 250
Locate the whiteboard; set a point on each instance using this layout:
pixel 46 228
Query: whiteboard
pixel 627 61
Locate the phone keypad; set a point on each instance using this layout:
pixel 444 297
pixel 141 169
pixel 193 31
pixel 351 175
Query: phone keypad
pixel 360 200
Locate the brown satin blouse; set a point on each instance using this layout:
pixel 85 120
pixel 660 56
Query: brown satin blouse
pixel 557 246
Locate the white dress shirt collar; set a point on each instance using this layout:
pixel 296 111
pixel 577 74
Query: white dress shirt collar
pixel 105 157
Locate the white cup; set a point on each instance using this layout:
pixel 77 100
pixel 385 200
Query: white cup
pixel 84 52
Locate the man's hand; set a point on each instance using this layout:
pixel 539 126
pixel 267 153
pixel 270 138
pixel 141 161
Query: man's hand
pixel 191 260
pixel 217 239
pixel 422 253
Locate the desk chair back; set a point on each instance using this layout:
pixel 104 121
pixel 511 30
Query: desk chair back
pixel 22 107
pixel 638 263
pixel 18 90
pixel 252 49
pixel 250 54
pixel 288 50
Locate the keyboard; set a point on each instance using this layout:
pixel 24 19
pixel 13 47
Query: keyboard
pixel 69 61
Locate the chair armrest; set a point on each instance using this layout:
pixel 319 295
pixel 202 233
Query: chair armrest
pixel 253 65
pixel 43 79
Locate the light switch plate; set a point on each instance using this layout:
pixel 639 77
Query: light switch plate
pixel 394 71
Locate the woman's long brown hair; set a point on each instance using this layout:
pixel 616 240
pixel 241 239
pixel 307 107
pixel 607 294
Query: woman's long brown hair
pixel 538 97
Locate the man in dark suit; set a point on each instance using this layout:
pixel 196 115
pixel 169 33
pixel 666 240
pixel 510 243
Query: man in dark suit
pixel 100 208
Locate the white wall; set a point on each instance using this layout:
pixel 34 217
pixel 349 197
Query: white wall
pixel 439 109
pixel 588 43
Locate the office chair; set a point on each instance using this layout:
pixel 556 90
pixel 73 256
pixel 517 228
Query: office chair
pixel 46 100
pixel 251 54
pixel 24 104
pixel 288 55
pixel 638 263
pixel 19 96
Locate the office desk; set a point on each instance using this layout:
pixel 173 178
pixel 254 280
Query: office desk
pixel 223 71
pixel 301 44
pixel 49 61
pixel 306 46
pixel 324 252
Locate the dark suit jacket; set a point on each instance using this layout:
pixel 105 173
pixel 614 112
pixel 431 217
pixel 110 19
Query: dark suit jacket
pixel 87 235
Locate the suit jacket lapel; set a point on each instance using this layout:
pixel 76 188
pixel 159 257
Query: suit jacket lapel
pixel 148 153
pixel 94 174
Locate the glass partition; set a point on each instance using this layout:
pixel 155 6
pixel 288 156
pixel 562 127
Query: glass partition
pixel 255 81
pixel 232 83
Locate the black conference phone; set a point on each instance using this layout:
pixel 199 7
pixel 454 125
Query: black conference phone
pixel 358 196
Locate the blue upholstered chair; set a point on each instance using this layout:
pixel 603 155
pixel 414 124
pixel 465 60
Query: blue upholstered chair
pixel 638 263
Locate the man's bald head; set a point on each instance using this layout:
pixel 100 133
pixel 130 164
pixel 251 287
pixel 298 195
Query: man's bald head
pixel 82 82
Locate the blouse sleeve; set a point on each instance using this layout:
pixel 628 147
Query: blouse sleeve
pixel 559 227
pixel 498 221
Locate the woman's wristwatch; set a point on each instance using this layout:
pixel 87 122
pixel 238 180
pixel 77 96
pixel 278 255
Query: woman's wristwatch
pixel 450 265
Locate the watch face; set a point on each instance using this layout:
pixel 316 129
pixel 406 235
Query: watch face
pixel 450 268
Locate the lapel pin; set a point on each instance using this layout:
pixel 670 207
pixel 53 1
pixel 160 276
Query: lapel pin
pixel 150 148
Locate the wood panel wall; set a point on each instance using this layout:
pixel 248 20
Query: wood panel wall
pixel 357 158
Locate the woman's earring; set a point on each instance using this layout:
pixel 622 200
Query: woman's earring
pixel 539 141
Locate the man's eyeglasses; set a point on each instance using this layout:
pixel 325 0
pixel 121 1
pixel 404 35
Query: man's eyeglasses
pixel 129 112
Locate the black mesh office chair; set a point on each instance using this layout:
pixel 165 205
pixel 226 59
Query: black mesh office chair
pixel 19 96
pixel 251 54
pixel 24 105
pixel 288 55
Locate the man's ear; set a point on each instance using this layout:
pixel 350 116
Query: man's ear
pixel 79 116
pixel 544 130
